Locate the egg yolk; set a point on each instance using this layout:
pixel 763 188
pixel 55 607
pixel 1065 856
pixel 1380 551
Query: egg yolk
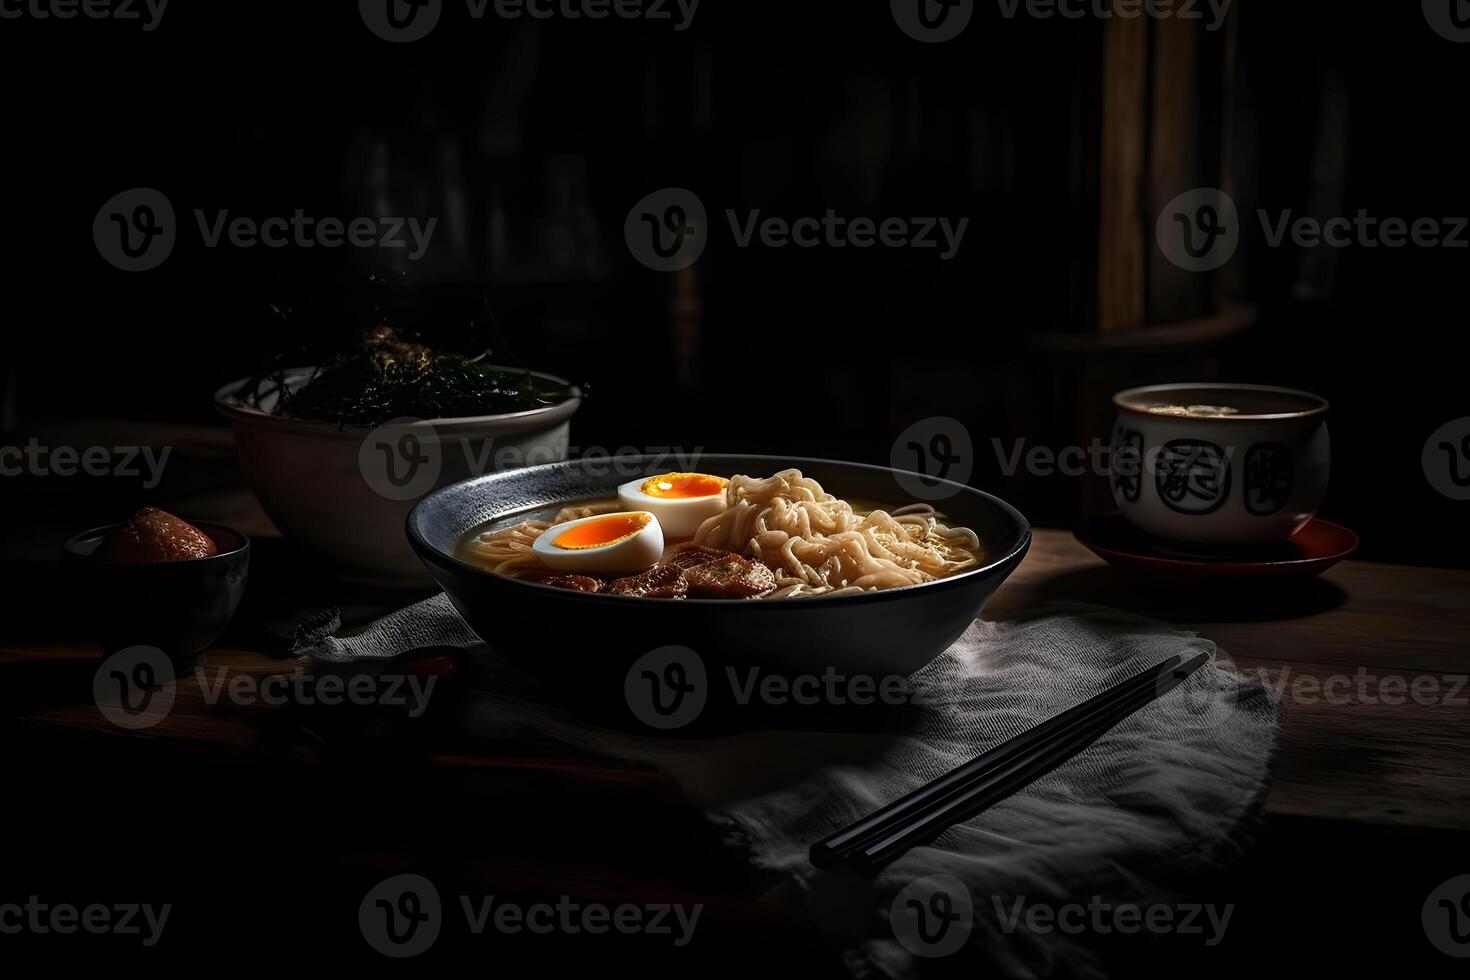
pixel 676 486
pixel 602 532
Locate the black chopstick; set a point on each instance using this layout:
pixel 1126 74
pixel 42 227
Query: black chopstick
pixel 997 784
pixel 832 850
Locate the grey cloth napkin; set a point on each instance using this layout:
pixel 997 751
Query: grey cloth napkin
pixel 1168 794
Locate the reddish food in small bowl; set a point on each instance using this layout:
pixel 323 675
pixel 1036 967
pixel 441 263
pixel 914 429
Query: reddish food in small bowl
pixel 154 536
pixel 157 580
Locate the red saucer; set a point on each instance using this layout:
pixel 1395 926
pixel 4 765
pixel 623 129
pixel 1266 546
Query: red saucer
pixel 1311 551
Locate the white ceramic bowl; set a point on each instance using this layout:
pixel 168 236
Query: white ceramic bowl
pixel 344 493
pixel 1220 481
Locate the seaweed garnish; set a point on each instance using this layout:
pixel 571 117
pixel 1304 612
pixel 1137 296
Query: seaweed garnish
pixel 386 372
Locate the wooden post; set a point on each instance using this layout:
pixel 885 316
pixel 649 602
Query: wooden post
pixel 1174 165
pixel 1122 256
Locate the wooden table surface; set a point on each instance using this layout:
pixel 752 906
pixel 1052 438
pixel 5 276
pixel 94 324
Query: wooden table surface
pixel 1370 796
pixel 1363 754
pixel 1346 651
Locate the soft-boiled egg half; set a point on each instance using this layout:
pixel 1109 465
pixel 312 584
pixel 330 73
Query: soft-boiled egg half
pixel 680 501
pixel 608 543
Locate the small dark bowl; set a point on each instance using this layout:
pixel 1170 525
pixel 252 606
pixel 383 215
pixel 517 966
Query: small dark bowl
pixel 178 606
pixel 572 637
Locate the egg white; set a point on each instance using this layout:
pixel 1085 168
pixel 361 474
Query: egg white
pixel 680 516
pixel 634 553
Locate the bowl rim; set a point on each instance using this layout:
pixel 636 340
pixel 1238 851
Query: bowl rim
pixel 428 553
pixel 71 547
pixel 227 404
pixel 1320 407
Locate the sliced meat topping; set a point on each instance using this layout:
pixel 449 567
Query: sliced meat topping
pixel 731 577
pixel 579 583
pixel 662 581
pixel 688 556
pixel 564 580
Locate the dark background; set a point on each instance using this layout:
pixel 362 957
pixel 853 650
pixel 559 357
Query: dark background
pixel 531 141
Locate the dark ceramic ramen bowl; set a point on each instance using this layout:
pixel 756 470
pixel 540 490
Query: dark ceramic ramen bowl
pixel 579 639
